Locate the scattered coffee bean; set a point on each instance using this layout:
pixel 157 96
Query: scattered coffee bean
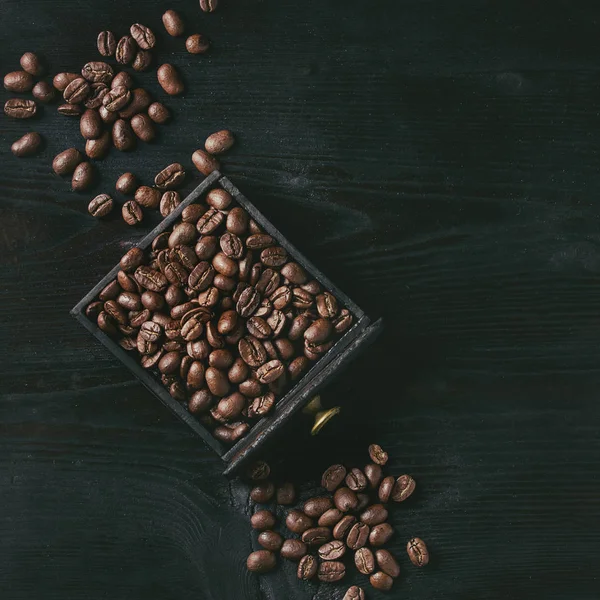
pixel 345 499
pixel 43 92
pixel 126 184
pixel 263 519
pixel 270 540
pixel 378 456
pixel 107 43
pixel 62 80
pixel 387 563
pixel 132 212
pixel 123 136
pixel 403 489
pixel 169 79
pixel 307 568
pixel 90 124
pixel 70 110
pixel 332 550
pixel 100 206
pixel 143 36
pixel 374 515
pixel 126 50
pixel 385 489
pixel 354 593
pixel 219 142
pixel 263 492
pixel 169 201
pixel 97 72
pixel 204 162
pixel 315 507
pixel 293 549
pixel 65 162
pixel 77 91
pixel 333 477
pixel 170 177
pixel 142 60
pixel 197 44
pixel 261 561
pixel 97 92
pixel 28 145
pixel 32 64
pixel 117 98
pixel 18 81
pixel 381 581
pixel 364 561
pixel 417 552
pixel 158 112
pixel 297 522
pixel 122 79
pixel 219 199
pixel 356 480
pixel 373 473
pixel 99 148
pixel 140 100
pixel 286 494
pixel 83 177
pixel 107 117
pixel 357 536
pixel 173 23
pixel 315 536
pixel 20 109
pixel 331 571
pixel 330 517
pixel 143 127
pixel 380 534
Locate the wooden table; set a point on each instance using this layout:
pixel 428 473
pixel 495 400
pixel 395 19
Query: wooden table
pixel 440 162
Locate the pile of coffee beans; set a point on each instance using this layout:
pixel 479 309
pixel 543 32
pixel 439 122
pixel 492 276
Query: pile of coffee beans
pixel 347 526
pixel 216 307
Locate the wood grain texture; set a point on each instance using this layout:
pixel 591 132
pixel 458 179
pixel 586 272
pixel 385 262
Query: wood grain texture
pixel 439 161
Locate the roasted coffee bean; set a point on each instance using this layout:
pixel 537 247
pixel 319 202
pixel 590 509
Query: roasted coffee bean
pixel 219 199
pixel 142 60
pixel 224 265
pixel 261 561
pixel 274 256
pixel 28 145
pixel 107 43
pixel 122 135
pixel 378 456
pixel 231 245
pixel 151 300
pixel 170 363
pixel 245 267
pixel 169 79
pixel 294 273
pixel 62 80
pixel 330 517
pixel 231 433
pixel 297 367
pixel 356 480
pixel 192 213
pixel 100 206
pixel 263 492
pixel 170 177
pixel 83 177
pixel 263 519
pixel 210 221
pixel 209 297
pixel 385 489
pixel 204 162
pixel 32 64
pixel 259 241
pixel 202 275
pixel 307 568
pixel 261 405
pixel 373 474
pixel 107 117
pixel 354 593
pixel 364 561
pixel 143 36
pixel 281 297
pixel 417 552
pixel 18 108
pixel 140 101
pixel 252 351
pixel 217 382
pixel 122 79
pixel 301 299
pixel 219 142
pixel 404 487
pixel 331 571
pixel 150 279
pixel 146 347
pixel 151 331
pixel 258 470
pixel 117 98
pixel 332 550
pixel 178 311
pixel 381 581
pixel 192 330
pixel 97 71
pixel 90 124
pixel 96 95
pixel 158 112
pixel 177 391
pixel 209 5
pixel 314 351
pixel 138 318
pixel 147 197
pixel 259 328
pixel 128 343
pixel 113 309
pixel 286 494
pixel 110 291
pixel 198 349
pixel 270 540
pixel 183 234
pixel 43 92
pixel 197 44
pixel 206 247
pixel 176 274
pixel 126 50
pixel 18 81
pixel 298 327
pixel 161 241
pixel 315 507
pixel 227 322
pixel 297 522
pixel 276 319
pixel 200 401
pixel 70 110
pixel 343 321
pixel 374 515
pixel 387 563
pixel 270 371
pixel 77 91
pixel 248 302
pixel 363 501
pixel 133 258
pixel 220 358
pixel 318 332
pixel 106 324
pixel 268 281
pixel 98 148
pixel 333 477
pixel 238 371
pixel 345 499
pixel 173 23
pixel 328 308
pixel 169 201
pixel 293 549
pixel 357 536
pixel 316 536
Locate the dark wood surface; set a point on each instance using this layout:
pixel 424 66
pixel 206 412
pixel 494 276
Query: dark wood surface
pixel 439 161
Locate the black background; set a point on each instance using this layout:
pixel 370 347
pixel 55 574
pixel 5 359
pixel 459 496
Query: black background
pixel 440 162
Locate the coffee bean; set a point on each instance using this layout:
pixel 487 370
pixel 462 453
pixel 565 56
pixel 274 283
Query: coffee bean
pixel 297 522
pixel 126 50
pixel 298 327
pixel 106 324
pixel 293 549
pixel 170 177
pixel 316 536
pixel 248 303
pixel 333 477
pixel 169 79
pixel 117 98
pixel 217 382
pixel 356 480
pixel 18 81
pixel 83 177
pixel 231 245
pixel 140 100
pixel 294 273
pixel 142 60
pixel 318 332
pixel 70 110
pixel 374 515
pixel 143 127
pixel 330 517
pixel 315 507
pixel 237 221
pixel 331 571
pixel 387 563
pixel 204 162
pixel 281 297
pixel 200 401
pixel 122 79
pixel 143 36
pixel 261 405
pixel 32 64
pixel 378 456
pixel 107 117
pixel 122 135
pixel 110 291
pixel 270 371
pixel 259 328
pixel 28 145
pixel 373 474
pixel 358 536
pixel 328 308
pixel 62 80
pixel 173 23
pixel 343 321
pixel 20 109
pixel 307 568
pixel 276 320
pixel 132 213
pixel 100 206
pixel 252 351
pixel 107 43
pixel 381 581
pixel 169 201
pixel 403 489
pixel 364 561
pixel 263 492
pixel 197 44
pixel 90 124
pixel 43 92
pixel 345 499
pixel 261 561
pixel 219 142
pixel 332 550
pixel 219 199
pixel 385 489
pixel 126 184
pixel 77 91
pixel 231 433
pixel 263 519
pixel 270 540
pixel 275 256
pixel 417 552
pixel 96 95
pixel 354 593
pixel 94 309
pixel 133 258
pixel 286 494
pixel 97 71
pixel 158 112
pixel 297 367
pixel 98 148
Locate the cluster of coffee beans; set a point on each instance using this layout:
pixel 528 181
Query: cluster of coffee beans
pixel 217 307
pixel 347 526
